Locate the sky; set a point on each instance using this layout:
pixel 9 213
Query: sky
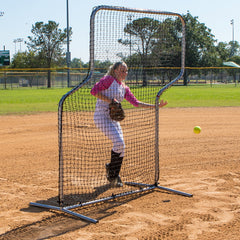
pixel 20 15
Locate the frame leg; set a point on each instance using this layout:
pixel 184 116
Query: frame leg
pixel 175 191
pixel 140 185
pixel 65 211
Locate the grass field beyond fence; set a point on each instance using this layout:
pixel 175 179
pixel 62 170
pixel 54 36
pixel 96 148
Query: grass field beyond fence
pixel 29 101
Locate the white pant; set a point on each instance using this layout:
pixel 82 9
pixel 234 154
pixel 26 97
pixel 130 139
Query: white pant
pixel 111 129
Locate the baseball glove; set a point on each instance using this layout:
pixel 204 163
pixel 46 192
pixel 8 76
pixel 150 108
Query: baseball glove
pixel 116 111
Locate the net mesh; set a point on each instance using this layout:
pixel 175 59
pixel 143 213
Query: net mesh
pixel 147 42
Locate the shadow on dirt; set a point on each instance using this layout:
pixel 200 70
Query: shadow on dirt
pixel 59 223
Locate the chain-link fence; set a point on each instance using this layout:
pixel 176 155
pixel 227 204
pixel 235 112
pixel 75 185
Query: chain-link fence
pixel 39 78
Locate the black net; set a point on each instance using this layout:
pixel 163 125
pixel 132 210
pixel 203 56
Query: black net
pixel 150 44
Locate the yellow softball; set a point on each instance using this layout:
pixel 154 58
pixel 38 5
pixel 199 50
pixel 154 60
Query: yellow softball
pixel 197 129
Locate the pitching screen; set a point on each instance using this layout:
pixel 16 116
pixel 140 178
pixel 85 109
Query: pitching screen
pixel 151 45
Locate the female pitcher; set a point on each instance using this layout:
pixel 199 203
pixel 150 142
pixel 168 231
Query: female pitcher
pixel 112 86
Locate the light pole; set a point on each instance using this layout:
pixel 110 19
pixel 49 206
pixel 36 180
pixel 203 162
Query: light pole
pixel 68 53
pixel 233 45
pixel 18 40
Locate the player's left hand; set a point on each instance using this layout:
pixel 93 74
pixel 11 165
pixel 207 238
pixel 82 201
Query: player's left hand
pixel 162 103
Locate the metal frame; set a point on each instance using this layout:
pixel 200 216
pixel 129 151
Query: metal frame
pixel 142 187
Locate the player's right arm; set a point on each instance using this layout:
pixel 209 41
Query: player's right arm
pixel 147 105
pixel 135 102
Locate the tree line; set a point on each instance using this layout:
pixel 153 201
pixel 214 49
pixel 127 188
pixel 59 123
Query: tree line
pixel 46 46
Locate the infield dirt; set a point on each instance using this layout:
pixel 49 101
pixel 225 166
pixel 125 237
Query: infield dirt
pixel 206 165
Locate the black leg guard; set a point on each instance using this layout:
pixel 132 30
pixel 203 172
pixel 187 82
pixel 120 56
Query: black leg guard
pixel 114 167
pixel 116 163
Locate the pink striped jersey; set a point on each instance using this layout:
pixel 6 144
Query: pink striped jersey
pixel 112 88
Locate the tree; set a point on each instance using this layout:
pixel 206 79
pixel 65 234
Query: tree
pixel 160 42
pixel 199 40
pixel 167 49
pixel 76 63
pixel 27 59
pixel 234 46
pixel 144 32
pixel 227 51
pixel 200 48
pixel 23 60
pixel 47 42
pixel 223 51
pixel 235 58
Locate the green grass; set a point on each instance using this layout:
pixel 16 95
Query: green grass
pixel 203 96
pixel 29 101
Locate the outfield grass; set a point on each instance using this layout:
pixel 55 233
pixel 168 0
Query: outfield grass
pixel 28 101
pixel 203 96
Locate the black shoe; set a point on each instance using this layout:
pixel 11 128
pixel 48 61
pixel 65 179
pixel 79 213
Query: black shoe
pixel 117 182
